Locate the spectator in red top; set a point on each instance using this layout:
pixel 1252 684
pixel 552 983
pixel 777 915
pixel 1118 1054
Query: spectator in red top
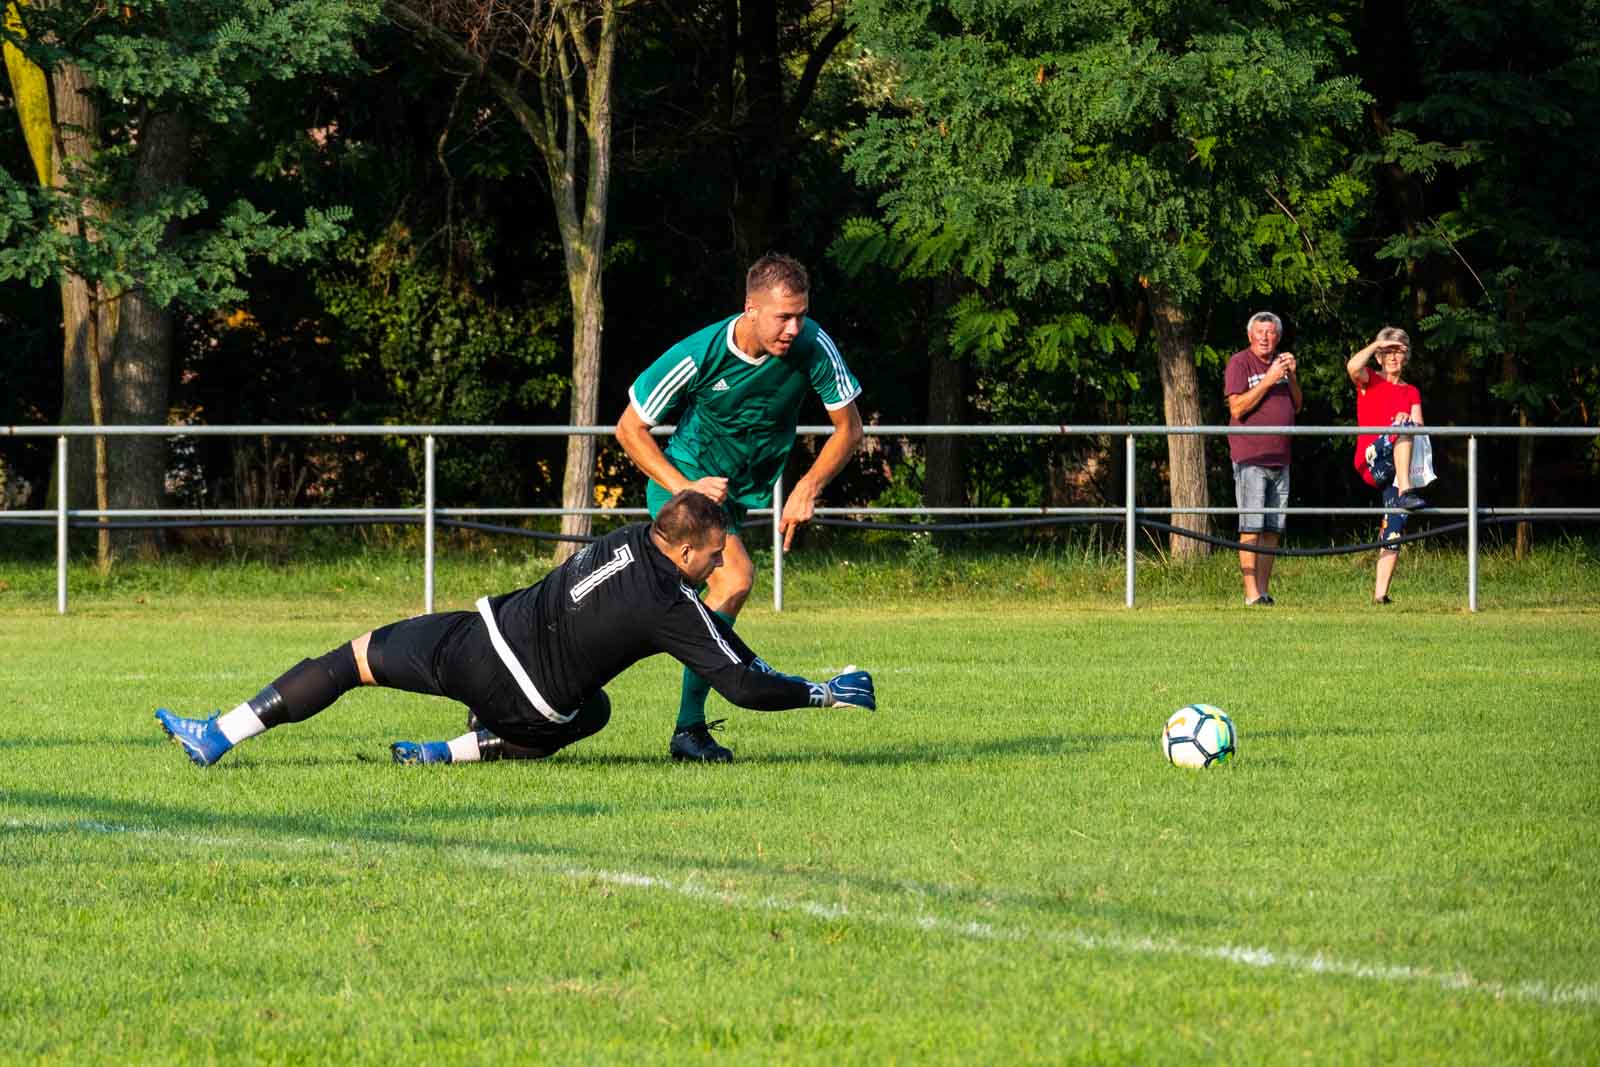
pixel 1262 390
pixel 1384 460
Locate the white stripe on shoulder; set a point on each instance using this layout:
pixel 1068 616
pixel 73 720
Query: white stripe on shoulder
pixel 711 627
pixel 843 380
pixel 661 396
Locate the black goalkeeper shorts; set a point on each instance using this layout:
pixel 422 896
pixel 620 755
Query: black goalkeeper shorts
pixel 448 654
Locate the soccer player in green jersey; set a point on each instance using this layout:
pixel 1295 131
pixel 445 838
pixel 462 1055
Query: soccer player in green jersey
pixel 734 389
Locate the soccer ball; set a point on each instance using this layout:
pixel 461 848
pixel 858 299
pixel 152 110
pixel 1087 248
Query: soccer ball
pixel 1199 736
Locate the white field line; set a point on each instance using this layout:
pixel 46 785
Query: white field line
pixel 1587 995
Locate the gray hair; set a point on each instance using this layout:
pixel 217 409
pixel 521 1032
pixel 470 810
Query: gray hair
pixel 1264 316
pixel 1391 334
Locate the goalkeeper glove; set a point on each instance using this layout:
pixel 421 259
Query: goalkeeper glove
pixel 851 689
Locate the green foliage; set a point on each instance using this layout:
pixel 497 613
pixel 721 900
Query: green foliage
pixel 202 269
pixel 201 58
pixel 982 325
pixel 1052 165
pixel 1104 144
pixel 1503 132
pixel 448 353
pixel 445 350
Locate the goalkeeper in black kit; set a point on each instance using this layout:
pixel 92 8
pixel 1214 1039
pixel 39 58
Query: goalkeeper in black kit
pixel 530 664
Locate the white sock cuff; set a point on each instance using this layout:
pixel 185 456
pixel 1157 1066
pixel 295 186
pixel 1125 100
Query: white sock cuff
pixel 240 723
pixel 464 749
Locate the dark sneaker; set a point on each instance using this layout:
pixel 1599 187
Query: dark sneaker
pixel 696 743
pixel 1384 599
pixel 1262 601
pixel 201 739
pixel 1410 501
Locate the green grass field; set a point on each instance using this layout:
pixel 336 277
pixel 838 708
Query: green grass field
pixel 996 867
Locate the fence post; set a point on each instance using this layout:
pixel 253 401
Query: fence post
pixel 427 525
pixel 1130 522
pixel 1472 523
pixel 777 545
pixel 61 524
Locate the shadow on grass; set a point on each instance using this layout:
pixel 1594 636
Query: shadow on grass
pixel 99 743
pixel 931 753
pixel 689 875
pixel 92 814
pixel 255 758
pixel 1313 733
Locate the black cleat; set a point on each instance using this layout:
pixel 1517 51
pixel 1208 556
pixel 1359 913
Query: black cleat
pixel 1410 501
pixel 492 747
pixel 696 743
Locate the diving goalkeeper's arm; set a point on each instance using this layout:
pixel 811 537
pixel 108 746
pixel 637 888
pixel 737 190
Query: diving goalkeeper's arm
pixel 708 646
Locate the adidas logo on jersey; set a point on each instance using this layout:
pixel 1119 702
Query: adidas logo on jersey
pixel 721 386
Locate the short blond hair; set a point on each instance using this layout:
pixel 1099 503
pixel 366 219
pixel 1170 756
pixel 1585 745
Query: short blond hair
pixel 777 271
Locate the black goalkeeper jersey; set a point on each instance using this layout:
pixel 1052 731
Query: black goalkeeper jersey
pixel 611 605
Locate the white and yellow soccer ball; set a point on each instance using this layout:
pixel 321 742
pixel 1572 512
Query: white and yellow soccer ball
pixel 1199 736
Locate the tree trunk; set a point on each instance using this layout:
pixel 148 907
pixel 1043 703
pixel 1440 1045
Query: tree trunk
pixel 757 148
pixel 943 483
pixel 142 369
pixel 1525 447
pixel 577 484
pixel 584 246
pixel 569 40
pixel 763 135
pixel 88 325
pixel 1180 393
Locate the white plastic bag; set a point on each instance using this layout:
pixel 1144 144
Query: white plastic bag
pixel 1422 461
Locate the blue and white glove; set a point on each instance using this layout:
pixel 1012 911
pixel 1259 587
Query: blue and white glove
pixel 851 689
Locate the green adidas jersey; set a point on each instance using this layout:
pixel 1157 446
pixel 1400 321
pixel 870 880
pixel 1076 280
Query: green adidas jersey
pixel 736 415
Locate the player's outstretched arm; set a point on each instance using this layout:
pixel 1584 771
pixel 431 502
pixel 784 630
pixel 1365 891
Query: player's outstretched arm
pixel 707 645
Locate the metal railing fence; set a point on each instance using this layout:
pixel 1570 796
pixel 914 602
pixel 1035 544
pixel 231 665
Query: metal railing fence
pixel 429 512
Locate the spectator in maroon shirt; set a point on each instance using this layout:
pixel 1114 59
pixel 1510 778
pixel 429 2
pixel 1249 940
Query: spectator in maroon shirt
pixel 1262 390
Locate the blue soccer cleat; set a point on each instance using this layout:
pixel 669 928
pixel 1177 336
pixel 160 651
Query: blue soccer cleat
pixel 410 752
pixel 852 689
pixel 202 740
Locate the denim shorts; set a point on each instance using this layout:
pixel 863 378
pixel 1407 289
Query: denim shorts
pixel 1261 488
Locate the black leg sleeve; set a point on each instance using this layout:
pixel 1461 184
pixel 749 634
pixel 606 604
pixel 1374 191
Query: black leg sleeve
pixel 307 688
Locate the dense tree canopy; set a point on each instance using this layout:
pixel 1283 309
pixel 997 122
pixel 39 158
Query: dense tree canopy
pixel 1014 212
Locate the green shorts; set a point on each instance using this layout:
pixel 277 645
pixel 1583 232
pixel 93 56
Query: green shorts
pixel 655 496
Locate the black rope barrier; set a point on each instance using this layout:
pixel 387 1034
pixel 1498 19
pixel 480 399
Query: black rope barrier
pixel 304 521
pixel 1491 518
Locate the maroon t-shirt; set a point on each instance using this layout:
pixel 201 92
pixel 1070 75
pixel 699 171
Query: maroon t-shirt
pixel 1246 369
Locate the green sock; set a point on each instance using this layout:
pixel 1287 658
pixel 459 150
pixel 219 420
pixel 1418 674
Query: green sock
pixel 692 703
